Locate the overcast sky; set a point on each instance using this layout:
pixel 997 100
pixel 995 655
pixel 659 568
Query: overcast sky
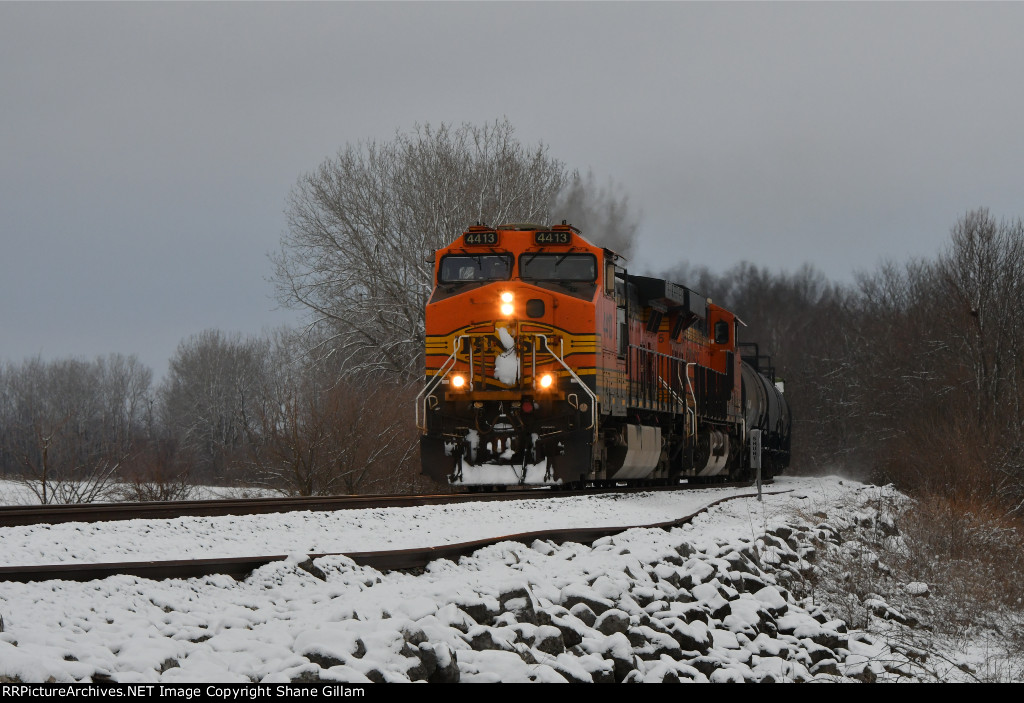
pixel 146 150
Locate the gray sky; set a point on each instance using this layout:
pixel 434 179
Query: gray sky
pixel 146 150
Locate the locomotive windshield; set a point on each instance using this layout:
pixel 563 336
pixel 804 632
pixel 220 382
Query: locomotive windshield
pixel 475 267
pixel 558 267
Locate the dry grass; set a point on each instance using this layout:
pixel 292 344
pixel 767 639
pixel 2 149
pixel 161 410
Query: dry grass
pixel 969 553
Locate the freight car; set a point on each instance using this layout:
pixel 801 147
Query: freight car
pixel 547 363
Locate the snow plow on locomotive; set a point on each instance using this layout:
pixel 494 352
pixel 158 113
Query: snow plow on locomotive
pixel 547 363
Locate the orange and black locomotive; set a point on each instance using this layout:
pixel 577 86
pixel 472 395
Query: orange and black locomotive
pixel 548 364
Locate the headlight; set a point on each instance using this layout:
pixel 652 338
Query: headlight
pixel 458 382
pixel 546 380
pixel 506 303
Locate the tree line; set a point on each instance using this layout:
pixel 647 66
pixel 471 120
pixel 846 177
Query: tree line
pixel 232 410
pixel 913 374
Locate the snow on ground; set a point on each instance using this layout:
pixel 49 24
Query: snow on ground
pixel 19 493
pixel 341 531
pixel 710 601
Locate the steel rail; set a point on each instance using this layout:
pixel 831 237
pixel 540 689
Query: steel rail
pixel 20 515
pixel 401 559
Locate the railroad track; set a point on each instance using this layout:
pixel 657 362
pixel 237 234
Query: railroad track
pixel 403 559
pixel 17 515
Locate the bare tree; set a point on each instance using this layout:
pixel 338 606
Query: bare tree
pixel 212 398
pixel 983 270
pixel 363 227
pixel 346 439
pixel 930 371
pixel 983 276
pixel 71 425
pixel 160 471
pixel 320 435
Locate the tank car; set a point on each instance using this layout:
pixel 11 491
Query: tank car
pixel 547 363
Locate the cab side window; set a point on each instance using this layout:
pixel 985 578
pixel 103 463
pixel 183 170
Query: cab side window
pixel 721 332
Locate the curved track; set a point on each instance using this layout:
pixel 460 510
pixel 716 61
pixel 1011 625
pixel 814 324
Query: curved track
pixel 16 515
pixel 240 567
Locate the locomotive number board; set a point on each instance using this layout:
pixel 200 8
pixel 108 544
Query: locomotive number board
pixel 552 237
pixel 480 239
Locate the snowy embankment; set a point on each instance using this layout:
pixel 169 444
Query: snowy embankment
pixel 712 601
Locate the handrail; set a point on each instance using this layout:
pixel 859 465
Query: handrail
pixel 668 386
pixel 692 411
pixel 645 389
pixel 579 381
pixel 435 382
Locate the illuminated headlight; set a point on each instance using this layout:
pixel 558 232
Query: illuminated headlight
pixel 546 380
pixel 506 303
pixel 458 382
